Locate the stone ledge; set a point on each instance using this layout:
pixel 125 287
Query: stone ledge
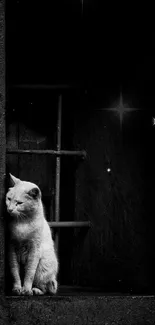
pixel 105 310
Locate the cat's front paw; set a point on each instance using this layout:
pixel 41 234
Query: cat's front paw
pixel 26 291
pixel 17 290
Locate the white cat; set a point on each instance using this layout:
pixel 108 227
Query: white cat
pixel 31 243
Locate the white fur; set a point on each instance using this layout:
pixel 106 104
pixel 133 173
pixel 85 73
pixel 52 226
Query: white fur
pixel 31 243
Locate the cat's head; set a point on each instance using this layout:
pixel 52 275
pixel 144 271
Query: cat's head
pixel 22 198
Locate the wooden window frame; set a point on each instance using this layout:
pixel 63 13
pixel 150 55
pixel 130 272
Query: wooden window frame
pixel 57 223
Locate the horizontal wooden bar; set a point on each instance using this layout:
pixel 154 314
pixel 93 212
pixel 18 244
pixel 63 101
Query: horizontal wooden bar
pixel 43 86
pixel 50 152
pixel 67 224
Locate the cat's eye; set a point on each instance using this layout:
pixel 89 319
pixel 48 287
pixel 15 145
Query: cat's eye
pixel 19 202
pixel 9 198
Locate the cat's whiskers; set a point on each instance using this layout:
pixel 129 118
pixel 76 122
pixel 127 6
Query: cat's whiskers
pixel 21 215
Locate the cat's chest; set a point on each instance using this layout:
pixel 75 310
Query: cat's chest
pixel 21 231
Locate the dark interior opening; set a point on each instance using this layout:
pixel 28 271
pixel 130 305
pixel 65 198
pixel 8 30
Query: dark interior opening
pixel 101 56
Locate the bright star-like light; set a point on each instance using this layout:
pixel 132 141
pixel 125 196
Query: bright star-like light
pixel 121 109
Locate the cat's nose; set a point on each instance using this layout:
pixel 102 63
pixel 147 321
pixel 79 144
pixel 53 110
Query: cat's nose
pixel 10 210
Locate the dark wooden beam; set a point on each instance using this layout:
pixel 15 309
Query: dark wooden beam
pixel 43 86
pixel 50 152
pixel 70 224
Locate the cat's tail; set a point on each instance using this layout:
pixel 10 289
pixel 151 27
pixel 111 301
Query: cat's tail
pixel 52 286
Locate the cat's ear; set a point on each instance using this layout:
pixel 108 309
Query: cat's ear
pixel 13 180
pixel 35 193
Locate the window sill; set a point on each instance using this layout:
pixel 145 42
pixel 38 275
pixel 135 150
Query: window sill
pixel 68 291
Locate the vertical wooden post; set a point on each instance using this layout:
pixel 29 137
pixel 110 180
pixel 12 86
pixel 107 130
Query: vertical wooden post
pixel 58 167
pixel 2 142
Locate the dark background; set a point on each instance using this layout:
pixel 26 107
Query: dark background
pixel 107 44
pixel 101 51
